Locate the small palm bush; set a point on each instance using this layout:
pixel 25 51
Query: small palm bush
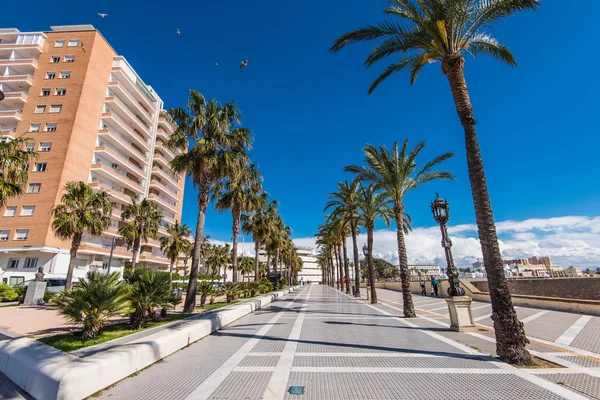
pixel 150 292
pixel 232 290
pixel 205 289
pixel 216 293
pixel 93 301
pixel 7 293
pixel 265 286
pixel 254 288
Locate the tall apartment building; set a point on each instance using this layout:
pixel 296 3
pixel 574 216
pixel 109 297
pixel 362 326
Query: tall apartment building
pixel 91 118
pixel 311 271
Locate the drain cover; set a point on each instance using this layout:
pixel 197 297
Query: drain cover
pixel 296 390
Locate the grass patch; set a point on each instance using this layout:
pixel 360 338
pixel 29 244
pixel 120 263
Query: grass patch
pixel 72 341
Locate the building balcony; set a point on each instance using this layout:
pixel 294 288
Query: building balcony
pixel 15 98
pixel 10 116
pixel 162 134
pixel 30 64
pixel 33 49
pixel 166 122
pixel 165 202
pixel 110 119
pixel 166 189
pixel 136 106
pixel 154 259
pixel 131 119
pixel 20 81
pixel 108 172
pixel 166 175
pixel 112 155
pixel 123 72
pixel 103 248
pixel 117 194
pixel 123 145
pixel 167 153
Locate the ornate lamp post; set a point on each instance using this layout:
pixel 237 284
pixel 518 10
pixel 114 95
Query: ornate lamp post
pixel 365 250
pixel 459 305
pixel 1 95
pixel 441 214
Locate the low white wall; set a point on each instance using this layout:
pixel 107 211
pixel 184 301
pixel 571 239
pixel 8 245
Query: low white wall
pixel 48 374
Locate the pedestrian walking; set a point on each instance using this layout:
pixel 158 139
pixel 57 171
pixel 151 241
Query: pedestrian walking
pixel 423 288
pixel 431 291
pixel 434 285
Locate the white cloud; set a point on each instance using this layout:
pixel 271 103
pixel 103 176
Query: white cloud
pixel 570 240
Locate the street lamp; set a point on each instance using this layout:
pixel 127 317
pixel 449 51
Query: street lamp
pixel 1 95
pixel 441 213
pixel 112 249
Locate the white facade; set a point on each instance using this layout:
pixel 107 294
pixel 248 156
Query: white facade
pixel 311 272
pixel 426 270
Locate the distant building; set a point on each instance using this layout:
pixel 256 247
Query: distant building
pixel 311 271
pixel 424 270
pixel 477 265
pixel 547 261
pixel 573 272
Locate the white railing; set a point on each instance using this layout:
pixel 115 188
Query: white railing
pixel 119 155
pixel 123 174
pixel 162 185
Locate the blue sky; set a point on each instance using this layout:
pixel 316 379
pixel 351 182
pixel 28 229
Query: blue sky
pixel 310 113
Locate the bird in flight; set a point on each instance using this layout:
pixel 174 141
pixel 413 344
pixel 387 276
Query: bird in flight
pixel 216 64
pixel 178 32
pixel 243 64
pixel 102 15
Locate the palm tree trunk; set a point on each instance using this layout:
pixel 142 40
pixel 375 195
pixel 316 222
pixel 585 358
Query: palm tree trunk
pixel 276 260
pixel 268 261
pixel 135 252
pixel 75 243
pixel 190 298
pixel 371 268
pixel 330 271
pixel 173 259
pixel 340 266
pixel 346 267
pixel 256 261
pixel 336 266
pixel 510 334
pixel 356 261
pixel 409 308
pixel 235 214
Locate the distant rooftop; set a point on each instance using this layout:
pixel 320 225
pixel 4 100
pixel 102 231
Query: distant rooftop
pixel 70 28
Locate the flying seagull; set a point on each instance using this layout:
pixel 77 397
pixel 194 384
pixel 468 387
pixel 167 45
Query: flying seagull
pixel 102 15
pixel 243 64
pixel 216 64
pixel 178 32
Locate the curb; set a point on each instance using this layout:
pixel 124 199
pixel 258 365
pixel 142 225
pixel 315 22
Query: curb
pixel 48 374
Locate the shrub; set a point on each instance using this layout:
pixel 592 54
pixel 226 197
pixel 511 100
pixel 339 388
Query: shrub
pixel 49 296
pixel 254 288
pixel 149 291
pixel 21 290
pixel 216 293
pixel 265 286
pixel 8 293
pixel 205 289
pixel 93 301
pixel 232 290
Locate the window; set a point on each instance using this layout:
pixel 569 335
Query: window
pixel 34 188
pixel 27 211
pixel 45 92
pixel 15 280
pixel 40 109
pixel 61 91
pixel 29 146
pixel 21 234
pixel 40 167
pixel 50 75
pixel 55 108
pixel 13 263
pixel 73 43
pixel 70 58
pixel 30 262
pixel 65 74
pixel 26 167
pixel 50 127
pixel 4 139
pixel 45 146
pixel 59 43
pixel 55 59
pixel 34 127
pixel 10 211
pixel 4 236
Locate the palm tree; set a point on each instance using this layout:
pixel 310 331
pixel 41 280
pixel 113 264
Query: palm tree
pixel 396 174
pixel 142 222
pixel 219 257
pixel 444 31
pixel 13 177
pixel 343 203
pixel 242 192
pixel 245 267
pixel 217 151
pixel 175 243
pixel 372 206
pixel 94 301
pixel 257 225
pixel 81 210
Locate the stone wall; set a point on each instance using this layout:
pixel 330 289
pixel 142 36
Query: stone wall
pixel 566 288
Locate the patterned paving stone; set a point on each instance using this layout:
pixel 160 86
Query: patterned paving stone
pixel 242 386
pixel 551 325
pixel 582 383
pixel 259 361
pixel 589 337
pixel 392 362
pixel 376 386
pixel 588 362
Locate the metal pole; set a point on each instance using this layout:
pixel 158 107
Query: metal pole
pixel 454 289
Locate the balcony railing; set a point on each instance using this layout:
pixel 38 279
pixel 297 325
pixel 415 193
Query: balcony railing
pixel 123 174
pixel 163 186
pixel 166 200
pixel 125 126
pixel 119 155
pixel 123 141
pixel 134 117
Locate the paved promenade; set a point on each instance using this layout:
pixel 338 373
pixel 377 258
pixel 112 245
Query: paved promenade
pixel 336 347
